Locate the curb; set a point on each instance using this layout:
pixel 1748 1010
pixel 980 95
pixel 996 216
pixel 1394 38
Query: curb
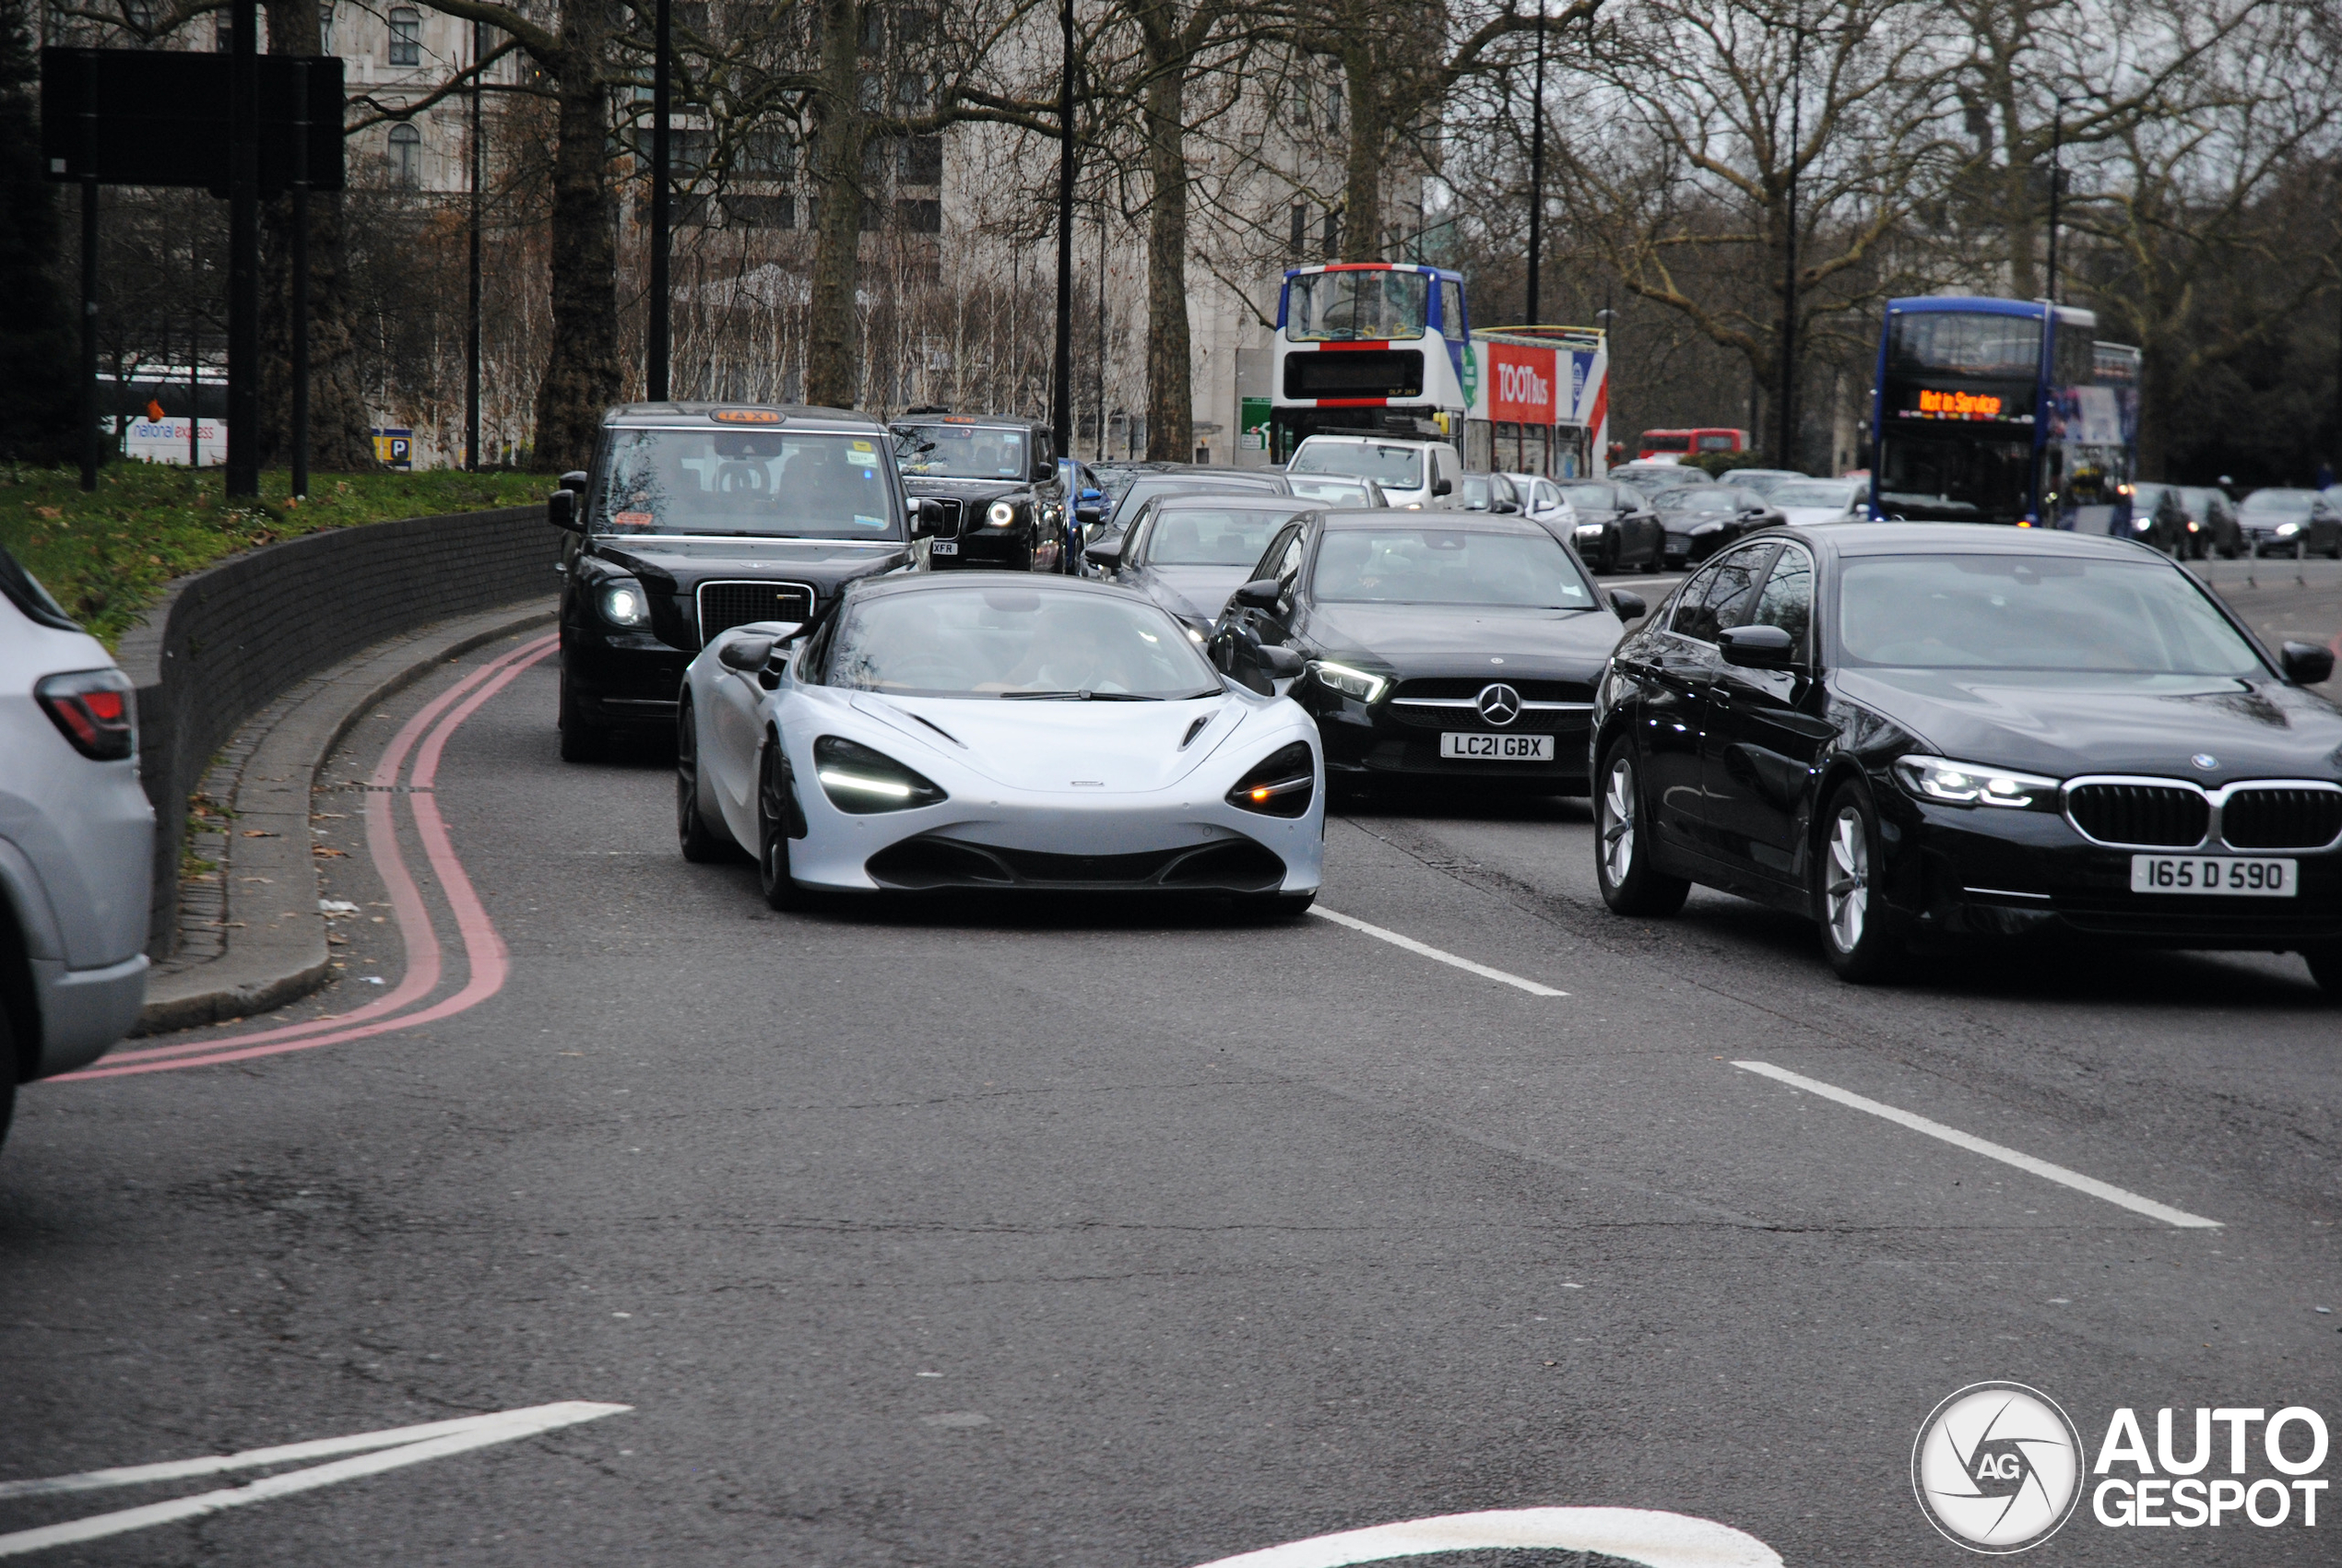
pixel 272 954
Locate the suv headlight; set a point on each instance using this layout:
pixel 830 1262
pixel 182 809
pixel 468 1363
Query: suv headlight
pixel 625 603
pixel 862 782
pixel 1350 683
pixel 1000 514
pixel 1281 785
pixel 1966 784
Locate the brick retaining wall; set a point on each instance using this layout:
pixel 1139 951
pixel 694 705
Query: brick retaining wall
pixel 225 641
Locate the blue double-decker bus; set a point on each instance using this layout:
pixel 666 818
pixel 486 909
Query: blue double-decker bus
pixel 2006 411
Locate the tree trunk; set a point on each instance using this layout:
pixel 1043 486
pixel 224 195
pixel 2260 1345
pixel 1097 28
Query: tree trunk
pixel 583 376
pixel 1170 392
pixel 339 440
pixel 1362 237
pixel 832 369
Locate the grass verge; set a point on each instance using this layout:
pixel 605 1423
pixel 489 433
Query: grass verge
pixel 106 555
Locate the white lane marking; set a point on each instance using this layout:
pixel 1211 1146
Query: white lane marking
pixel 393 1448
pixel 1636 1534
pixel 1975 1145
pixel 1435 954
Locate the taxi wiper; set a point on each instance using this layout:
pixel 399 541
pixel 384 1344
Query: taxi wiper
pixel 1078 697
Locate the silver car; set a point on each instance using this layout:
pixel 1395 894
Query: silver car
pixel 76 842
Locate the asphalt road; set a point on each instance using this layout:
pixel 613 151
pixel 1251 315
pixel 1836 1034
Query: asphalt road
pixel 1094 1235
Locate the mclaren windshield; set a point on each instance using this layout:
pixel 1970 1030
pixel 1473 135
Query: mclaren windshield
pixel 1011 642
pixel 757 484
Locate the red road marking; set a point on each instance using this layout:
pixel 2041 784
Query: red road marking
pixel 484 951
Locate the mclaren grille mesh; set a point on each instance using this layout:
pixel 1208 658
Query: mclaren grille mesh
pixel 1228 866
pixel 723 605
pixel 2159 815
pixel 2281 819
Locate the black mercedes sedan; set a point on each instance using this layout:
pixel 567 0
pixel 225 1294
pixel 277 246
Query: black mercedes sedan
pixel 1702 519
pixel 1000 491
pixel 1924 730
pixel 1455 649
pixel 1616 528
pixel 1189 552
pixel 698 517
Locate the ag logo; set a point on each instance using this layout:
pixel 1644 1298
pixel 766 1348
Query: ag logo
pixel 1997 1468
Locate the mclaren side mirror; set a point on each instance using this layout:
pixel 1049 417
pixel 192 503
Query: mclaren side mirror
pixel 747 654
pixel 1758 647
pixel 1630 606
pixel 560 511
pixel 1280 662
pixel 1258 594
pixel 2306 664
pixel 1105 552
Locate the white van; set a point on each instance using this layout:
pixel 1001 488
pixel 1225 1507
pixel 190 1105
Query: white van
pixel 1414 474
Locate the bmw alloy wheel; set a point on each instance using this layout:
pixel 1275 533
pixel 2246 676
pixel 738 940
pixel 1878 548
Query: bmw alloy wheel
pixel 1847 892
pixel 1618 820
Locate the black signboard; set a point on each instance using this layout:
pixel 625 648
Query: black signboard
pixel 161 118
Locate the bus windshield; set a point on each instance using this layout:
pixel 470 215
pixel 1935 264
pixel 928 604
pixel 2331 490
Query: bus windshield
pixel 1346 307
pixel 1964 343
pixel 1934 480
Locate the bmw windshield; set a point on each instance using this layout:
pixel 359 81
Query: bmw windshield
pixel 1007 642
pixel 772 483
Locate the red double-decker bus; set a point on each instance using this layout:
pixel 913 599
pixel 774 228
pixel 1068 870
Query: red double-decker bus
pixel 1673 446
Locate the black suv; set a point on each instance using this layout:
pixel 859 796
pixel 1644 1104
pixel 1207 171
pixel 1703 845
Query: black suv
pixel 698 517
pixel 999 493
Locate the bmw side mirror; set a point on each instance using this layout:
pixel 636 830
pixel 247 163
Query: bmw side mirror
pixel 1280 662
pixel 560 511
pixel 1758 647
pixel 1630 606
pixel 1258 594
pixel 1442 486
pixel 1105 552
pixel 747 654
pixel 2306 664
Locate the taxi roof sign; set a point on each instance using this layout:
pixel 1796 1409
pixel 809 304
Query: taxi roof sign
pixel 745 417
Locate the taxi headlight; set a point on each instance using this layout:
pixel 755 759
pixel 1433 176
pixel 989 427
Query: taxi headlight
pixel 1000 514
pixel 625 603
pixel 1967 783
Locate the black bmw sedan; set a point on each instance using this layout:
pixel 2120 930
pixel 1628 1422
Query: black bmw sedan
pixel 1189 552
pixel 1702 519
pixel 1615 528
pixel 697 518
pixel 1923 729
pixel 1453 648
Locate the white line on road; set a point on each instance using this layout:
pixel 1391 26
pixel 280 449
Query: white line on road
pixel 1435 954
pixel 1975 1145
pixel 396 1447
pixel 1633 1535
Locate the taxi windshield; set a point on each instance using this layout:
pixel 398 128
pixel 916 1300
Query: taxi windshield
pixel 778 484
pixel 951 451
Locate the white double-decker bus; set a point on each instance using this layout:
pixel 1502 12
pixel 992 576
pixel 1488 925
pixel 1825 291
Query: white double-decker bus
pixel 1368 347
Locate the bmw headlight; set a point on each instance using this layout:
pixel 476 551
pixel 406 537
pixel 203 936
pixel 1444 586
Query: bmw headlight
pixel 1000 514
pixel 625 603
pixel 1350 683
pixel 1966 784
pixel 2287 530
pixel 863 782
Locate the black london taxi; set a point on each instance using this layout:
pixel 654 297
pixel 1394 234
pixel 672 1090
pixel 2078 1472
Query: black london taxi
pixel 1000 493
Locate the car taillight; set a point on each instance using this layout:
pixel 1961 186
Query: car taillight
pixel 1281 785
pixel 92 709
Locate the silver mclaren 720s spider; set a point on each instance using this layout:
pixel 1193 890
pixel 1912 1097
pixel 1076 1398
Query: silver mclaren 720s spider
pixel 973 731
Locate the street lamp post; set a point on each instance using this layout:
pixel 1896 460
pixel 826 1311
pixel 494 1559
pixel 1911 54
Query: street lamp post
pixel 1785 441
pixel 662 57
pixel 1061 372
pixel 471 320
pixel 1537 173
pixel 2056 178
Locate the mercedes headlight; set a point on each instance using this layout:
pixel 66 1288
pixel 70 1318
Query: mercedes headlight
pixel 1966 784
pixel 625 603
pixel 1350 683
pixel 1000 514
pixel 863 782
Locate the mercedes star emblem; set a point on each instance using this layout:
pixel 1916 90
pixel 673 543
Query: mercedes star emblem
pixel 1500 703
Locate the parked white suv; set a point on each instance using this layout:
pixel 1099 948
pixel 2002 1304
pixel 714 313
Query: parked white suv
pixel 1414 474
pixel 76 842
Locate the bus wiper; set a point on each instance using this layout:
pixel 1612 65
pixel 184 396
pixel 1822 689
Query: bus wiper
pixel 1076 697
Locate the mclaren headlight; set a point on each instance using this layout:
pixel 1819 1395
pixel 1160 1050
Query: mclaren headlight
pixel 1281 785
pixel 1969 783
pixel 625 603
pixel 1349 682
pixel 863 782
pixel 1000 514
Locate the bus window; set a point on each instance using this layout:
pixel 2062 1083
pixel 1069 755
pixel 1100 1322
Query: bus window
pixel 1964 343
pixel 1953 481
pixel 1346 307
pixel 1451 310
pixel 1720 441
pixel 1666 441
